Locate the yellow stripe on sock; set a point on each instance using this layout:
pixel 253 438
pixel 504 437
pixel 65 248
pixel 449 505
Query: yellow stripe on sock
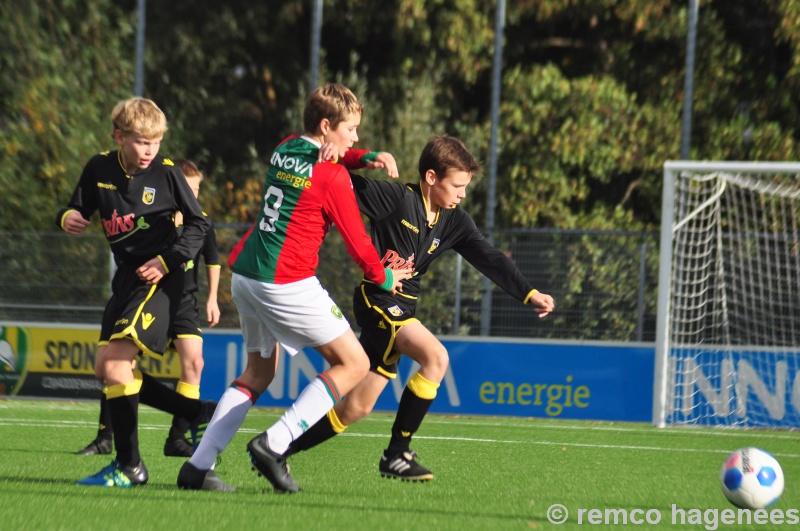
pixel 336 424
pixel 422 387
pixel 123 389
pixel 127 388
pixel 188 390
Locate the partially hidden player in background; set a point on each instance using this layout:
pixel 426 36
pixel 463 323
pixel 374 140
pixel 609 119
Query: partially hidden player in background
pixel 186 334
pixel 136 192
pixel 414 224
pixel 279 297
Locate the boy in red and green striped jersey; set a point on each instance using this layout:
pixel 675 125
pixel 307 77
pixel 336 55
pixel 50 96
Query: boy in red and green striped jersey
pixel 414 223
pixel 280 299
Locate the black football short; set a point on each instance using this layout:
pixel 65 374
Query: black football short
pixel 380 317
pixel 144 314
pixel 187 318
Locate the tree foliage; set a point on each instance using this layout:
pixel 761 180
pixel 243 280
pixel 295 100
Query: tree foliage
pixel 64 65
pixel 592 92
pixel 591 101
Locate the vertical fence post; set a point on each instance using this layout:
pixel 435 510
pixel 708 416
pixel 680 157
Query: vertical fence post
pixel 316 38
pixel 457 304
pixel 497 74
pixel 642 278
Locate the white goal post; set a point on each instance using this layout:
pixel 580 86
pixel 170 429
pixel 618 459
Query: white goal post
pixel 728 318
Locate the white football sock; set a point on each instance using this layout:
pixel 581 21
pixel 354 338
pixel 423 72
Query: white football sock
pixel 228 418
pixel 312 404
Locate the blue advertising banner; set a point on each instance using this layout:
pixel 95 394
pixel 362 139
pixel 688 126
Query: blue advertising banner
pixel 597 381
pixel 758 388
pixel 548 379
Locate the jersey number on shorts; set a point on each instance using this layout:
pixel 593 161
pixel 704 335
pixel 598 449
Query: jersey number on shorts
pixel 275 196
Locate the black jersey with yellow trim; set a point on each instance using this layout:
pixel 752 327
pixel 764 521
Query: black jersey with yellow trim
pixel 401 234
pixel 209 253
pixel 137 210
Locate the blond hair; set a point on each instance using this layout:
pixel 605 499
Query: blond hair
pixel 334 102
pixel 139 116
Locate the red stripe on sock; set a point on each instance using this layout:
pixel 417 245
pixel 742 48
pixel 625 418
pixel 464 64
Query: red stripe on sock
pixel 251 393
pixel 331 386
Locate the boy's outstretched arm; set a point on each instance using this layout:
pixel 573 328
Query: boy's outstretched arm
pixel 355 159
pixel 382 160
pixel 341 208
pixel 543 304
pixel 500 269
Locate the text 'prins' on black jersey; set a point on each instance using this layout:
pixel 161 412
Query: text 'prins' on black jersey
pixel 137 210
pixel 401 234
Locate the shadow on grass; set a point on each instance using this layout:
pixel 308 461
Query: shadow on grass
pixel 33 450
pixel 154 491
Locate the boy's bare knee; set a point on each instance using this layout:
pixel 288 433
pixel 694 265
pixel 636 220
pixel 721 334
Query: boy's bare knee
pixel 358 412
pixel 351 410
pixel 435 364
pixel 443 359
pixel 362 365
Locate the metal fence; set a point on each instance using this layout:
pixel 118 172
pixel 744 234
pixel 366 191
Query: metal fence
pixel 604 283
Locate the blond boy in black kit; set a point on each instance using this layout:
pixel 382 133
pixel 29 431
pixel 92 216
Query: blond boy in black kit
pixel 136 192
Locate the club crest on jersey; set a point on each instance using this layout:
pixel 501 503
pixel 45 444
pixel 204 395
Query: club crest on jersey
pixel 149 196
pixel 395 310
pixel 336 312
pixel 434 245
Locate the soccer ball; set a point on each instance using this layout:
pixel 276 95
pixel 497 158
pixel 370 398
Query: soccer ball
pixel 751 478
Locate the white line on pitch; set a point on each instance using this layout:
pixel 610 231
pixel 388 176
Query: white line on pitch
pixel 81 424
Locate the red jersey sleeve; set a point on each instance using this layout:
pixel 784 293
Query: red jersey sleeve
pixel 341 208
pixel 352 159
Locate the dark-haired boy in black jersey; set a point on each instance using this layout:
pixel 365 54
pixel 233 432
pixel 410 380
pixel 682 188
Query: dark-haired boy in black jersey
pixel 136 192
pixel 413 225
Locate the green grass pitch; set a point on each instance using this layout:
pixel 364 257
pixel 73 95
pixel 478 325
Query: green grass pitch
pixel 490 473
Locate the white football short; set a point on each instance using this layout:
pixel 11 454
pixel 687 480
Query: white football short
pixel 299 314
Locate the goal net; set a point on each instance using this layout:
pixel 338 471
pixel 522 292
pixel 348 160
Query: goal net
pixel 728 330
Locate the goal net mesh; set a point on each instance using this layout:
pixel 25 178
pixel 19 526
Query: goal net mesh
pixel 734 301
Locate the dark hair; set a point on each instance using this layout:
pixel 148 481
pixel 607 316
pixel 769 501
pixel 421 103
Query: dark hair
pixel 443 153
pixel 189 168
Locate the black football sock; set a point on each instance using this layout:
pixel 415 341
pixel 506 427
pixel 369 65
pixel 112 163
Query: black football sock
pixel 159 396
pixel 104 429
pixel 125 414
pixel 179 427
pixel 181 424
pixel 414 404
